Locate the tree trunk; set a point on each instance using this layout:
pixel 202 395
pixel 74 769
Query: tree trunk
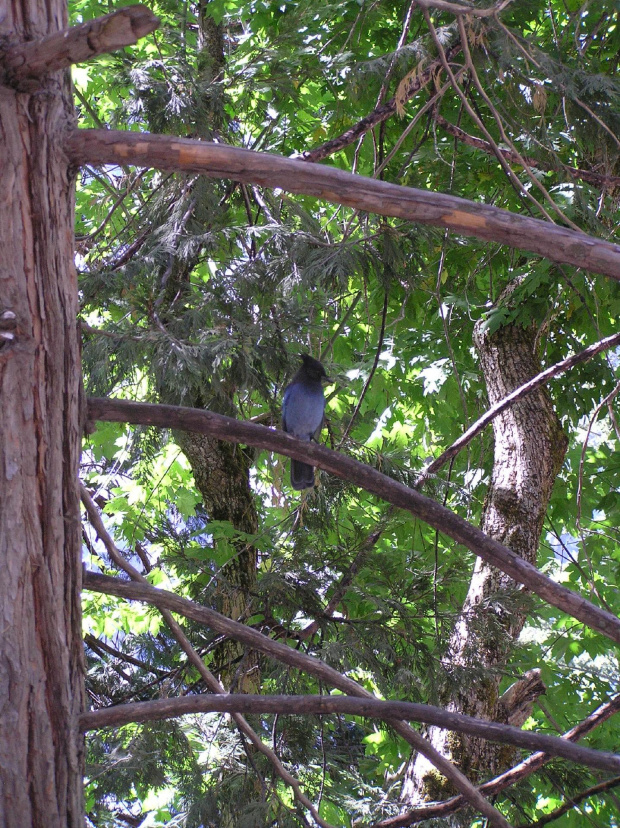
pixel 41 660
pixel 529 450
pixel 222 474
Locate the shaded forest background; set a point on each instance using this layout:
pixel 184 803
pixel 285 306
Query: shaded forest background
pixel 203 293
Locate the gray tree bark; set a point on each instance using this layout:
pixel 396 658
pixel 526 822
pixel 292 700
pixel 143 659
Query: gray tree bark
pixel 529 450
pixel 41 661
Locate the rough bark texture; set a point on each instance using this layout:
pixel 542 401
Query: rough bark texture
pixel 25 63
pixel 529 451
pixel 41 666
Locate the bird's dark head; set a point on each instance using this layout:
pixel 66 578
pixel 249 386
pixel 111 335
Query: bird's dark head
pixel 313 368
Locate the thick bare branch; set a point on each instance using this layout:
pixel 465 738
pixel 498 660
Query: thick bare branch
pixel 257 641
pixel 458 215
pixel 26 63
pixel 437 516
pixel 122 714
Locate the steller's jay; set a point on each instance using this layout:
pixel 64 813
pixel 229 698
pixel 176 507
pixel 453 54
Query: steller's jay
pixel 302 413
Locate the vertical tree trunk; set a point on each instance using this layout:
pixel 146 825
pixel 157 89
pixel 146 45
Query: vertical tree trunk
pixel 529 451
pixel 222 474
pixel 41 666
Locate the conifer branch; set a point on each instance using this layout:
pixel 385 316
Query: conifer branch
pixel 437 516
pixel 456 214
pixel 25 64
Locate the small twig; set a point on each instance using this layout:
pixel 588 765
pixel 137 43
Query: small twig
pixel 500 125
pixel 476 119
pixel 399 46
pixel 582 458
pixel 346 581
pixel 378 350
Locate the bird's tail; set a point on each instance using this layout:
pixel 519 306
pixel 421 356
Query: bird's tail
pixel 302 475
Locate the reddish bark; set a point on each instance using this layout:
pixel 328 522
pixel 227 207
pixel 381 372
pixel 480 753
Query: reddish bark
pixel 41 661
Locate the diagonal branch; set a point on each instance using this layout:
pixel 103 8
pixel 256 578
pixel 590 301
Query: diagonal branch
pixel 590 176
pixel 517 394
pixel 437 516
pixel 572 802
pixel 380 114
pixel 458 215
pixel 504 780
pixel 294 658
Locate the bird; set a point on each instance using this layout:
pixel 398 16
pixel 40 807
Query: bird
pixel 303 405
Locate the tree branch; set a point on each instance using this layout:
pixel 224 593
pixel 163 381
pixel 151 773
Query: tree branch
pixel 211 682
pixel 438 209
pixel 504 780
pixel 517 394
pixel 157 709
pixel 281 652
pixel 591 177
pixel 26 63
pixel 572 802
pixel 437 516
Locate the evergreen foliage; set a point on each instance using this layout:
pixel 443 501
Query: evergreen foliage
pixel 202 292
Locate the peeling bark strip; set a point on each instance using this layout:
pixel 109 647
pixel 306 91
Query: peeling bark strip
pixel 122 714
pixel 27 62
pixel 468 218
pixel 41 656
pixel 437 516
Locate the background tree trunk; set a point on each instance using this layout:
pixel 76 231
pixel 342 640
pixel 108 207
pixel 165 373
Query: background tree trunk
pixel 529 450
pixel 41 660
